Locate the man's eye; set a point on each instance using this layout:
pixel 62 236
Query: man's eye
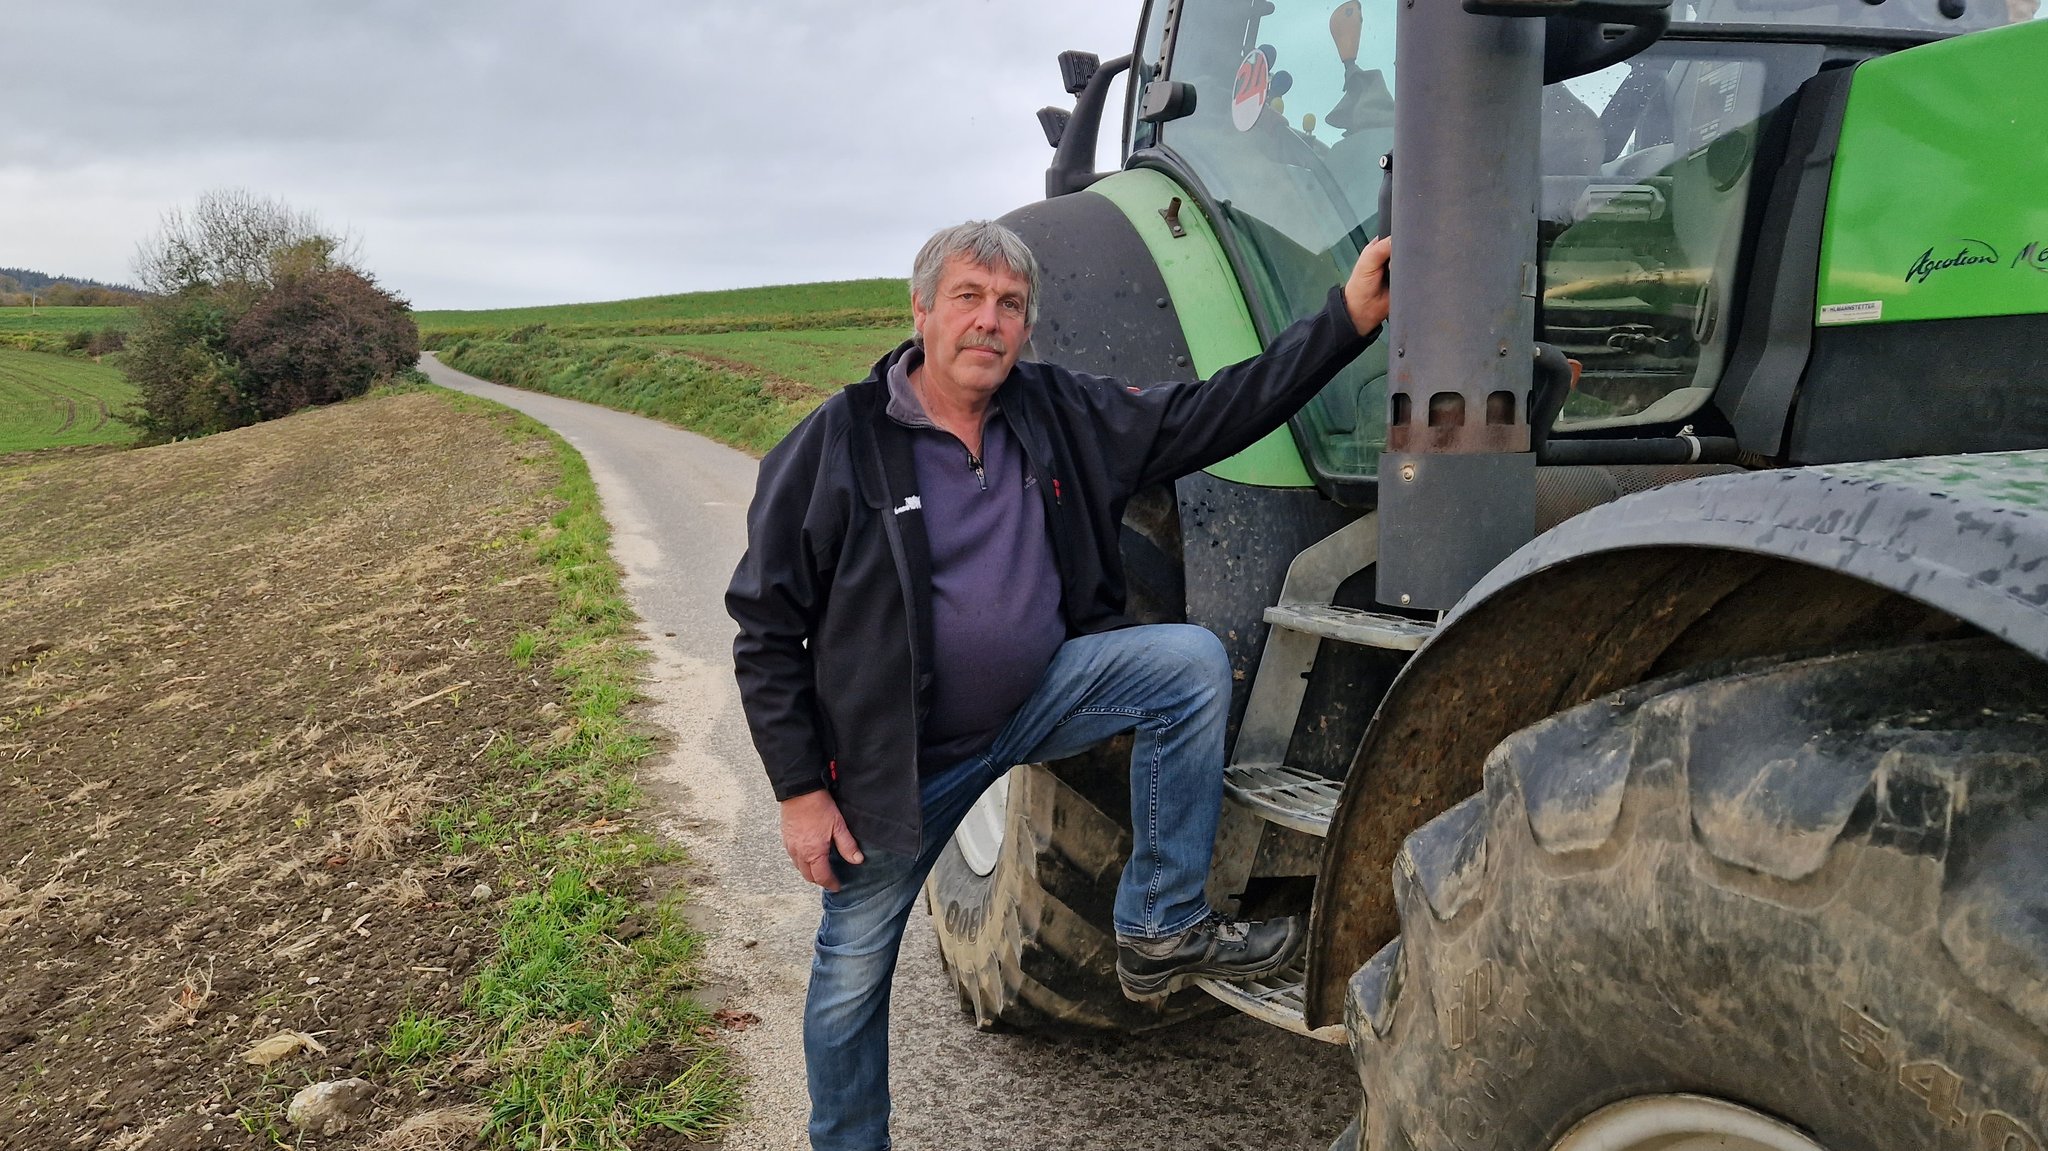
pixel 1014 307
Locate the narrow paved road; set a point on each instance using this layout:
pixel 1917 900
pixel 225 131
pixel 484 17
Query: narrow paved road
pixel 677 506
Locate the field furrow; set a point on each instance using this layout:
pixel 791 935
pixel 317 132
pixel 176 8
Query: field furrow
pixel 49 401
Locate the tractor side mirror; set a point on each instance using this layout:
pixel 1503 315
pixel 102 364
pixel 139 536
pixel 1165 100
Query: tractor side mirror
pixel 1166 100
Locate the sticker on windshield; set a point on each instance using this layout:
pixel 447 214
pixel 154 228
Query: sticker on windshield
pixel 1851 313
pixel 1248 99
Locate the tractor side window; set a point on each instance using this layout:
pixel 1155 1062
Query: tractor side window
pixel 1646 181
pixel 1294 107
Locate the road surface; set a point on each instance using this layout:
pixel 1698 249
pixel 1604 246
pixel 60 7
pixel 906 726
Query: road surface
pixel 677 506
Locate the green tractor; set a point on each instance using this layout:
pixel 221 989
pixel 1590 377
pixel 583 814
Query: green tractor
pixel 1641 648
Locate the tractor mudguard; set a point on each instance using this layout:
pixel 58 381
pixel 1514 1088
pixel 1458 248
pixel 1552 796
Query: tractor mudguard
pixel 1706 572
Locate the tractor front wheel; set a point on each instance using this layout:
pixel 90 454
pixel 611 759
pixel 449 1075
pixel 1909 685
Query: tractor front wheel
pixel 1787 907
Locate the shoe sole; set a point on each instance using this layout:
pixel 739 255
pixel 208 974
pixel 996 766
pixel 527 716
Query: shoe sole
pixel 1152 988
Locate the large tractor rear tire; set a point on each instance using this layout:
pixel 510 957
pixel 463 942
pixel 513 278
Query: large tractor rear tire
pixel 1021 898
pixel 1785 908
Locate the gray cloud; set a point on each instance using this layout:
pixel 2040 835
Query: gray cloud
pixel 519 152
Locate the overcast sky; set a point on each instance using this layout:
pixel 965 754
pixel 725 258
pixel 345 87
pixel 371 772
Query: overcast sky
pixel 503 152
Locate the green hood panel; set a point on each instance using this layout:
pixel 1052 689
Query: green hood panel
pixel 1206 297
pixel 1939 203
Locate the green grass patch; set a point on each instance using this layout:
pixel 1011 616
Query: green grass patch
pixel 49 401
pixel 64 320
pixel 826 360
pixel 62 331
pixel 416 1037
pixel 525 646
pixel 832 304
pixel 738 406
pixel 740 366
pixel 583 1016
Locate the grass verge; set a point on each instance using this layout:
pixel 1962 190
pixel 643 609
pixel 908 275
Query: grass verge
pixel 741 366
pixel 749 410
pixel 580 1031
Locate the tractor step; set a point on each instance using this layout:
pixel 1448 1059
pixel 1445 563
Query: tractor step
pixel 1276 999
pixel 1352 625
pixel 1284 795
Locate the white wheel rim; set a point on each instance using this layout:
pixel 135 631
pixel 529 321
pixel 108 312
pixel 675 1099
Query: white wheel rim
pixel 980 835
pixel 1682 1123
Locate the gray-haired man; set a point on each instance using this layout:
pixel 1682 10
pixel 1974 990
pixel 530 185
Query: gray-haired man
pixel 931 592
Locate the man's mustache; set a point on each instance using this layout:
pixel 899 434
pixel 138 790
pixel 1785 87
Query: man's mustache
pixel 992 343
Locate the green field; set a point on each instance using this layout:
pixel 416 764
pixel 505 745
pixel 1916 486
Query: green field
pixel 833 304
pixel 64 320
pixel 50 329
pixel 741 366
pixel 827 359
pixel 58 401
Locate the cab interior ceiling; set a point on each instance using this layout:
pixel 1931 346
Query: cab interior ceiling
pixel 1629 616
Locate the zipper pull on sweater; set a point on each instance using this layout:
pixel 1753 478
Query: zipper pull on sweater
pixel 980 477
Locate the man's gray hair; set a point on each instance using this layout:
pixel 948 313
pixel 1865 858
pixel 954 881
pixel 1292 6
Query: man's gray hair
pixel 983 242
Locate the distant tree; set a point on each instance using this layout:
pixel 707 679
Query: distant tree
pixel 233 239
pixel 258 312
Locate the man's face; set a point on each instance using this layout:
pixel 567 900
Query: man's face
pixel 975 329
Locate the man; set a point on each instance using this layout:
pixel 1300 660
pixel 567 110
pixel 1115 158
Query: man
pixel 932 592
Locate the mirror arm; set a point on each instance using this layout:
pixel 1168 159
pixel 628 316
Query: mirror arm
pixel 1073 160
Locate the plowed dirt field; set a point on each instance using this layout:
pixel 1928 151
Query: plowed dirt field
pixel 238 679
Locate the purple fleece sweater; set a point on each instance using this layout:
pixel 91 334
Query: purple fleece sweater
pixel 996 618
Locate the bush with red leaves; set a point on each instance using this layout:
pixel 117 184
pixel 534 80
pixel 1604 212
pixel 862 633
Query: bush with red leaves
pixel 323 335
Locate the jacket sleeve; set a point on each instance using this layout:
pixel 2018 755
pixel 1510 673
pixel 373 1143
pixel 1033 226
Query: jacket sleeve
pixel 1168 430
pixel 777 594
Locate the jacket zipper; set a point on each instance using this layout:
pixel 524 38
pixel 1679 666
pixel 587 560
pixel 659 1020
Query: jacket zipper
pixel 980 477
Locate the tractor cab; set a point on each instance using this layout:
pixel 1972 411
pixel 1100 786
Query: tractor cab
pixel 1654 175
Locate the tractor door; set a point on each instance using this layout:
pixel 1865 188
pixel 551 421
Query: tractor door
pixel 1294 108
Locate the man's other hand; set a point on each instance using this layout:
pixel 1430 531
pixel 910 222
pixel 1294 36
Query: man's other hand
pixel 1365 293
pixel 811 828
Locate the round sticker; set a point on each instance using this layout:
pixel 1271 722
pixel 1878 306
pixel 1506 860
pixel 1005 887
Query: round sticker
pixel 1249 97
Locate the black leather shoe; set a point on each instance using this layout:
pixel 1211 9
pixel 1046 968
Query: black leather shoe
pixel 1217 946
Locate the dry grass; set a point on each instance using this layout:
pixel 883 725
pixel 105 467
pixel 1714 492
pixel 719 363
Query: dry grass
pixel 189 997
pixel 442 1130
pixel 384 817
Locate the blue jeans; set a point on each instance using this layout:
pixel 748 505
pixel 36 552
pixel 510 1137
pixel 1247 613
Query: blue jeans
pixel 1169 684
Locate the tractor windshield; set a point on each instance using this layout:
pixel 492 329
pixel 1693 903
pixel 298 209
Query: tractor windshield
pixel 1646 173
pixel 1899 15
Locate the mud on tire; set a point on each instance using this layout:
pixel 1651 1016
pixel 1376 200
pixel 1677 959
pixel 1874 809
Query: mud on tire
pixel 1815 889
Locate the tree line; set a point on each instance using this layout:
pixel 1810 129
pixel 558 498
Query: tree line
pixel 19 287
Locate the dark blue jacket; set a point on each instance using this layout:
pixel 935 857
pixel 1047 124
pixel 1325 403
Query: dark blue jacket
pixel 833 596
